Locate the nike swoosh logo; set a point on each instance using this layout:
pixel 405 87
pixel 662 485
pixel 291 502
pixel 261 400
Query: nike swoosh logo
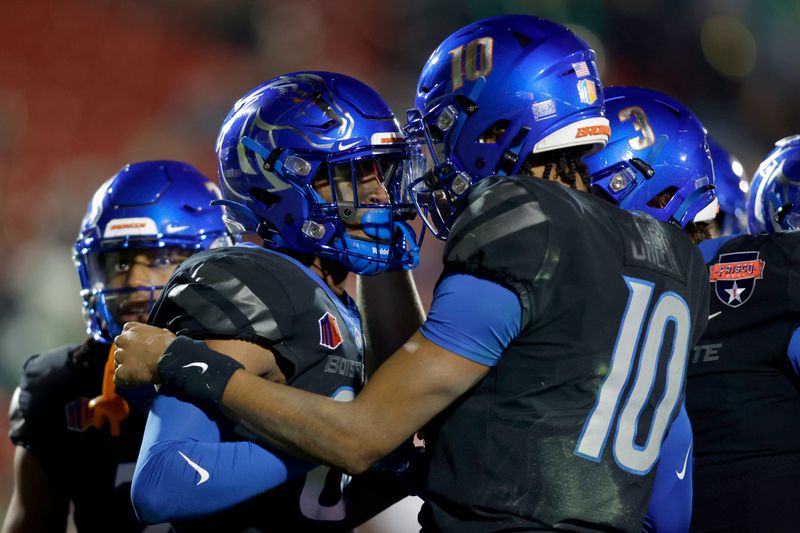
pixel 682 471
pixel 343 146
pixel 202 366
pixel 204 475
pixel 175 229
pixel 714 315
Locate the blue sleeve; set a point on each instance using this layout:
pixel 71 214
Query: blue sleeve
pixel 671 500
pixel 710 247
pixel 794 351
pixel 185 471
pixel 473 317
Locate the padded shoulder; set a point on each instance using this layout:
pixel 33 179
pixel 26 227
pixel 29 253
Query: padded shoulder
pixel 501 234
pixel 235 292
pixel 38 403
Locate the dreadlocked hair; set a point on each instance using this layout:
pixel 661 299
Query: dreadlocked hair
pixel 698 231
pixel 566 163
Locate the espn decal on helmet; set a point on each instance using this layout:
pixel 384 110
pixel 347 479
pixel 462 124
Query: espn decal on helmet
pixel 329 334
pixel 734 277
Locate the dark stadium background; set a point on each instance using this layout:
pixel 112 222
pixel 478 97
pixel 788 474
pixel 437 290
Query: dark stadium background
pixel 89 85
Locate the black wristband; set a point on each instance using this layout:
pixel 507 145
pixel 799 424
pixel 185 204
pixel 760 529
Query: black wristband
pixel 195 373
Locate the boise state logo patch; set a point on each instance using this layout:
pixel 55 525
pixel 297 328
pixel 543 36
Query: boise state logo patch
pixel 734 277
pixel 329 334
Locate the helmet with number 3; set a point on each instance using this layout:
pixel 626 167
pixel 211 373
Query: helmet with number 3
pixel 492 94
pixel 774 203
pixel 312 162
pixel 138 226
pixel 657 153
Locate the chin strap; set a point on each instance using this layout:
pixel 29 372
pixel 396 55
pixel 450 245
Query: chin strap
pixel 109 406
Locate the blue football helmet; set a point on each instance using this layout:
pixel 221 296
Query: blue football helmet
pixel 774 203
pixel 291 139
pixel 493 93
pixel 156 212
pixel 657 147
pixel 731 191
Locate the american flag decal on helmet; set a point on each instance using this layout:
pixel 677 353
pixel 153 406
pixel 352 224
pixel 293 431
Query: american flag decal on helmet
pixel 329 334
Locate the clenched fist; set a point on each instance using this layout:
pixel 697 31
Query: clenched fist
pixel 139 347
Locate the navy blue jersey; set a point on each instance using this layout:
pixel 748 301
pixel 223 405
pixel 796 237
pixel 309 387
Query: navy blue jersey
pixel 253 294
pixel 566 429
pixel 90 467
pixel 743 393
pixel 741 383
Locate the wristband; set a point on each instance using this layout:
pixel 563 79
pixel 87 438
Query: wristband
pixel 195 373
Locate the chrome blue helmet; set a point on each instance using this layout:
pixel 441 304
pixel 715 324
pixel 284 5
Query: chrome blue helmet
pixel 731 191
pixel 657 147
pixel 492 94
pixel 774 203
pixel 291 139
pixel 153 212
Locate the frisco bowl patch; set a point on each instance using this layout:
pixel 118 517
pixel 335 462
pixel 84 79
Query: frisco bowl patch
pixel 734 277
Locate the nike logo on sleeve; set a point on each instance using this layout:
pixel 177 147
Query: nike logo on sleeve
pixel 682 472
pixel 204 475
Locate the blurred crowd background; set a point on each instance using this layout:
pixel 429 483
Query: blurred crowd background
pixel 89 85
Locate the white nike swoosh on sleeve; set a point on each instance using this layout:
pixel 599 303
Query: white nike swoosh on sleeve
pixel 682 471
pixel 204 475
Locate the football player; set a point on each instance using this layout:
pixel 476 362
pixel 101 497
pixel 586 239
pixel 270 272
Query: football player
pixel 310 162
pixel 76 439
pixel 657 162
pixel 732 186
pixel 743 385
pixel 535 363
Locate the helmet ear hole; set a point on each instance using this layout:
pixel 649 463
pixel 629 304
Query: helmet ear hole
pixel 264 196
pixel 782 211
pixel 465 103
pixel 661 200
pixel 494 133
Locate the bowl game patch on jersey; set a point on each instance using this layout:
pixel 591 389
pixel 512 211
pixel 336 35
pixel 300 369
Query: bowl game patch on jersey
pixel 329 334
pixel 734 277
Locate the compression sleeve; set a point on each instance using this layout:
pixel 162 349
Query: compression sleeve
pixel 671 500
pixel 185 471
pixel 473 317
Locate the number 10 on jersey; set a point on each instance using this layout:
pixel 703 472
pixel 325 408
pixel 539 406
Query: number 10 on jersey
pixel 632 340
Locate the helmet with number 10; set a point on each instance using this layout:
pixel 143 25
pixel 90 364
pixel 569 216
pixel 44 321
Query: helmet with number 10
pixel 493 94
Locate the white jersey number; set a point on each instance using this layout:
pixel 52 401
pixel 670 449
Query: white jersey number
pixel 631 340
pixel 324 481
